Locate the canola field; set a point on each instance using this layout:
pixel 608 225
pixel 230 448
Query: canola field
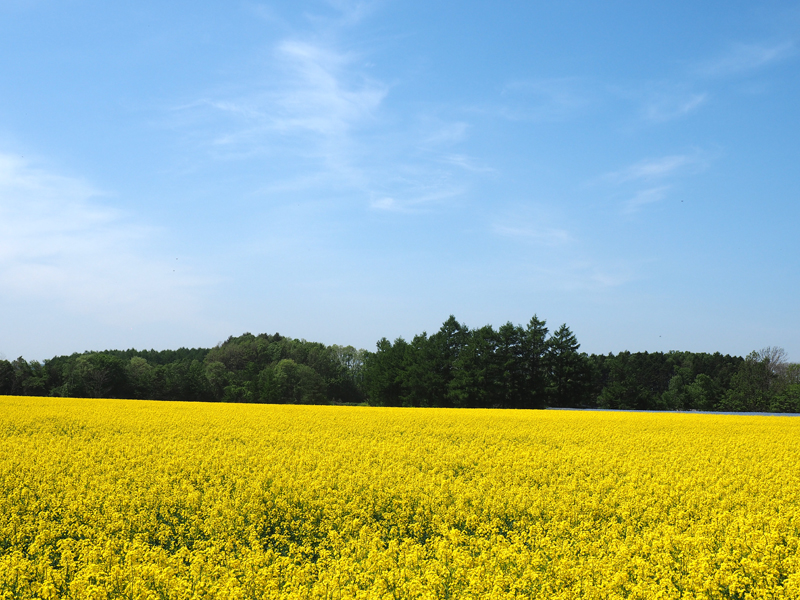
pixel 132 499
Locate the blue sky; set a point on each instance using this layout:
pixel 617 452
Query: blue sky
pixel 175 173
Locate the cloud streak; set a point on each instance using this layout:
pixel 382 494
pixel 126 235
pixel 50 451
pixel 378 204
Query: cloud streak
pixel 658 168
pixel 550 256
pixel 743 58
pixel 416 203
pixel 673 98
pixel 547 236
pixel 319 99
pixel 320 122
pixel 547 100
pixel 666 107
pixel 649 181
pixel 61 245
pixel 530 224
pixel 645 197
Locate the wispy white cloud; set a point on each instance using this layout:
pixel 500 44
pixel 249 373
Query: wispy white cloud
pixel 313 91
pixel 59 243
pixel 532 224
pixel 742 58
pixel 547 236
pixel 466 162
pixel 302 118
pixel 446 133
pixel 599 274
pixel 645 197
pixel 561 99
pixel 658 168
pixel 550 255
pixel 666 107
pixel 319 121
pixel 554 99
pixel 576 274
pixel 663 100
pixel 649 181
pixel 421 201
pixel 351 12
pixel 319 98
pixel 235 108
pixel 266 13
pixel 385 203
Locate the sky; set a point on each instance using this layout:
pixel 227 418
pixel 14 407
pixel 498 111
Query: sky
pixel 172 174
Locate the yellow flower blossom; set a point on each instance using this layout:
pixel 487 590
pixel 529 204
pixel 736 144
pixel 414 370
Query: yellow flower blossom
pixel 129 499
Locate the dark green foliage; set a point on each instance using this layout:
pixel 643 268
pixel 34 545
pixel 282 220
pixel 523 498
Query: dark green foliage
pixel 634 381
pixel 511 367
pixel 264 368
pixel 569 380
pixel 383 373
pixel 346 384
pixel 297 383
pixel 658 381
pixel 276 369
pixel 764 382
pixel 536 368
pixel 100 375
pixel 476 377
pixel 511 377
pixel 429 365
pixel 7 377
pixel 750 386
pixel 30 379
pixel 786 397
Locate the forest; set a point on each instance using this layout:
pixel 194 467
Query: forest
pixel 514 366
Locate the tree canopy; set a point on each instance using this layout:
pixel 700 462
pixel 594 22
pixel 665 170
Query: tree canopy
pixel 514 366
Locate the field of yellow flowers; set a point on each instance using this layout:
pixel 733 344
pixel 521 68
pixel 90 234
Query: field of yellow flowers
pixel 134 499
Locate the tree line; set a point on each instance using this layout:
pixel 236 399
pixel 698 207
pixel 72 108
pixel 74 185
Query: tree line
pixel 513 366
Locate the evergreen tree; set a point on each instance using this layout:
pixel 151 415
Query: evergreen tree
pixel 568 370
pixel 383 373
pixel 535 351
pixel 476 376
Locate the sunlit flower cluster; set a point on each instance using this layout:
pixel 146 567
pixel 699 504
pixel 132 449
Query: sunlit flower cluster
pixel 133 499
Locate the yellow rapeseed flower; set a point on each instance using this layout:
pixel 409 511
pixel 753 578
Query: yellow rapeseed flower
pixel 132 499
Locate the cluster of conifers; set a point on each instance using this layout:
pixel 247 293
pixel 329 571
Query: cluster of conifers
pixel 513 366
